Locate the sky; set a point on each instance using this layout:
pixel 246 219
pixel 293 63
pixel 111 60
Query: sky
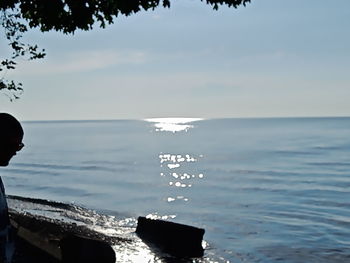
pixel 272 58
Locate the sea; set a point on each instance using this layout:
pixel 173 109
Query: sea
pixel 264 189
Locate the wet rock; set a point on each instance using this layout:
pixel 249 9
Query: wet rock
pixel 173 238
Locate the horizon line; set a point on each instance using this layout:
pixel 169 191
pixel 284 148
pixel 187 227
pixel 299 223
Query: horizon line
pixel 189 118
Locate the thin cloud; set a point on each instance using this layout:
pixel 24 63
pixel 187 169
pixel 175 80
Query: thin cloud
pixel 83 61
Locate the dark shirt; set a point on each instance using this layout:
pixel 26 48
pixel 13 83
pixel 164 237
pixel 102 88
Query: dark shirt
pixel 6 243
pixel 4 217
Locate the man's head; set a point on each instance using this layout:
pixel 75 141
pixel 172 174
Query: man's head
pixel 11 135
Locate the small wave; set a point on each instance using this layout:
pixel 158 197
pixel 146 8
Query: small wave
pixel 32 172
pixel 295 253
pixel 330 164
pixel 66 167
pixel 301 217
pixel 285 174
pixel 332 148
pixel 58 190
pixel 295 153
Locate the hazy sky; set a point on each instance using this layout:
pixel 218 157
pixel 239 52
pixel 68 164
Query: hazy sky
pixel 270 58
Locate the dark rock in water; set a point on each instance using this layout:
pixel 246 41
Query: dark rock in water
pixel 173 238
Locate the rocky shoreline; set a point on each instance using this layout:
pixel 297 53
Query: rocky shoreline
pixel 39 239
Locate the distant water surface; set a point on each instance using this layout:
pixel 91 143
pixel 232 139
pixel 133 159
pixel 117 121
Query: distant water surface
pixel 265 190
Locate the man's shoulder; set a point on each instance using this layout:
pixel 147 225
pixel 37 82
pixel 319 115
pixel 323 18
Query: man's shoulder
pixel 2 188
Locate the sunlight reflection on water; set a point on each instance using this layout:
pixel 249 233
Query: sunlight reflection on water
pixel 173 164
pixel 173 124
pixel 177 174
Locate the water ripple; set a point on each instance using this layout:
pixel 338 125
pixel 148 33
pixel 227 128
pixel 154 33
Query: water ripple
pixel 65 167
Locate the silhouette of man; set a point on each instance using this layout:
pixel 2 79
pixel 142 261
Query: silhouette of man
pixel 11 135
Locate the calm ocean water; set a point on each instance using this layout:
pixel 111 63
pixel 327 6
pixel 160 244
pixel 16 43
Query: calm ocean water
pixel 265 190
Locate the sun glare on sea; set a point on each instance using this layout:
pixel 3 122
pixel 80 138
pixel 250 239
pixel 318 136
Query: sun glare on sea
pixel 173 124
